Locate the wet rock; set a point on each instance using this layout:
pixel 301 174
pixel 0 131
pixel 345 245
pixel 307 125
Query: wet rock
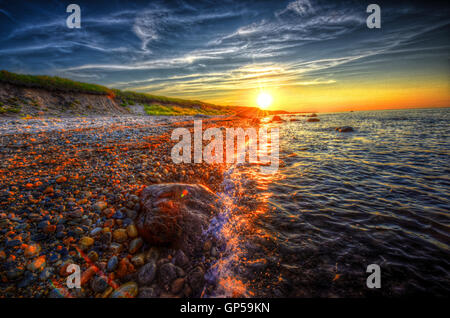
pixel 312 120
pixel 147 273
pixel 345 129
pixel 176 213
pixel 128 290
pixel 276 119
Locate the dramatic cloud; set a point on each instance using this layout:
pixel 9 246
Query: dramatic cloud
pixel 201 49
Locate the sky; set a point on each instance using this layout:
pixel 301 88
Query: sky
pixel 309 55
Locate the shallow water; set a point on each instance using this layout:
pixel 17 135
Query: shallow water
pixel 342 201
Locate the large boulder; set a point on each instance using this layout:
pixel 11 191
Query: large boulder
pixel 176 214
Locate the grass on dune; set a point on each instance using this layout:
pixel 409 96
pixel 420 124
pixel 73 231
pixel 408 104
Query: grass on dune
pixel 154 104
pixel 172 110
pixel 52 83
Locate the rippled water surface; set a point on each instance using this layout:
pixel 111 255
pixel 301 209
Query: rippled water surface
pixel 342 201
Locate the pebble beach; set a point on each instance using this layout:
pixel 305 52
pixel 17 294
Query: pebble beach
pixel 69 190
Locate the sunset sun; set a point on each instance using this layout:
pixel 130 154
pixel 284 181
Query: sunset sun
pixel 264 100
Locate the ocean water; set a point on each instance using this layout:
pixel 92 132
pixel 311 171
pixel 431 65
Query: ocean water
pixel 339 202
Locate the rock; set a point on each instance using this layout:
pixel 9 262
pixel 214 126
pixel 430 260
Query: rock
pixel 131 214
pixel 28 278
pixel 345 129
pixel 115 248
pixel 93 256
pixel 207 246
pixel 176 213
pixel 61 179
pixel 214 251
pixel 147 292
pixel 152 254
pixel 177 285
pixel 181 259
pixel 99 284
pixel 32 250
pixel 49 190
pixel 132 231
pixel 120 235
pixel 96 232
pixel 196 279
pixel 128 290
pixel 107 292
pixel 112 264
pixel 147 273
pixel 100 205
pixel 276 119
pixel 106 238
pixel 167 273
pixel 312 120
pixel 138 260
pixel 14 273
pixel 46 274
pixel 37 264
pixel 125 268
pixel 13 243
pixel 86 242
pixel 88 274
pixel 135 245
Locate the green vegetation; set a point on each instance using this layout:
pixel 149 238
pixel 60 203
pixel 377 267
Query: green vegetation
pixel 52 83
pixel 10 109
pixel 154 104
pixel 173 110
